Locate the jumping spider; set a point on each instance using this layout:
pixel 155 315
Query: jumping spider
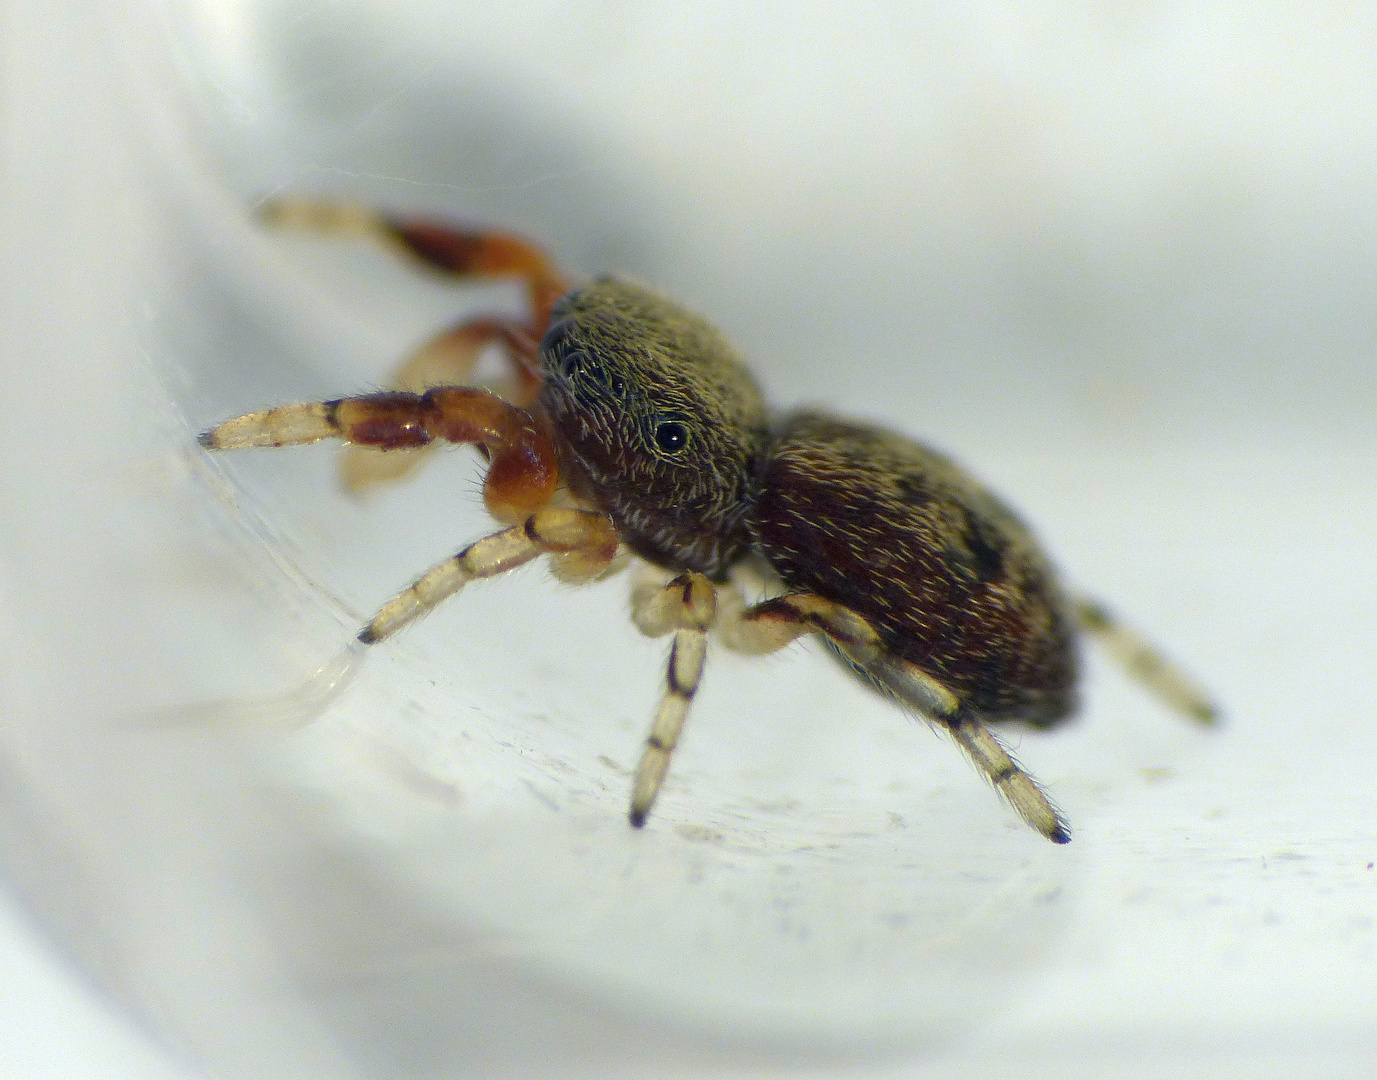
pixel 629 425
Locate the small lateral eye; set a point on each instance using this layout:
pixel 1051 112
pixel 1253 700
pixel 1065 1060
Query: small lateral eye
pixel 574 362
pixel 671 436
pixel 579 365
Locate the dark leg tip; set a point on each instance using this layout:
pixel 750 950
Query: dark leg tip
pixel 366 636
pixel 207 439
pixel 1205 715
pixel 1060 835
pixel 637 818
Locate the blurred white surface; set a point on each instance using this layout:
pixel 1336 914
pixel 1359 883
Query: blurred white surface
pixel 1120 261
pixel 54 1025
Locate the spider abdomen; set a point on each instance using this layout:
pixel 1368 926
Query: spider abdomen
pixel 950 579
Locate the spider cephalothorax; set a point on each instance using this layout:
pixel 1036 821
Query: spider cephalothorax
pixel 661 423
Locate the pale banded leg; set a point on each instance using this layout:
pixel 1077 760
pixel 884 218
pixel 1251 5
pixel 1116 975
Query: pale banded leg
pixel 1146 664
pixel 774 623
pixel 561 532
pixel 1007 776
pixel 686 606
pixel 335 217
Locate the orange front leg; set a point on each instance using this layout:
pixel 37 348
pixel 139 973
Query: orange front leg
pixel 474 253
pixel 448 360
pixel 522 474
pixel 449 249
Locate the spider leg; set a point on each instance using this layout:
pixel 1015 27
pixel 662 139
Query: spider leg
pixel 1146 664
pixel 451 250
pixel 686 606
pixel 449 358
pixel 556 531
pixel 772 624
pixel 522 473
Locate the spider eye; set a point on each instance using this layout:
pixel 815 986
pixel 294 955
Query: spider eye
pixel 574 362
pixel 579 365
pixel 671 436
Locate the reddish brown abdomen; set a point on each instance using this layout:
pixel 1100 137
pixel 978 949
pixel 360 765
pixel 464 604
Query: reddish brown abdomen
pixel 948 576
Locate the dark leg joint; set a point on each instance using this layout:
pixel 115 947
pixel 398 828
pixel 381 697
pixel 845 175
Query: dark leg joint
pixel 672 675
pixel 437 245
pixel 389 420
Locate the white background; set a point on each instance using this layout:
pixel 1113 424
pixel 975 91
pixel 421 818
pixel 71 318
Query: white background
pixel 1118 259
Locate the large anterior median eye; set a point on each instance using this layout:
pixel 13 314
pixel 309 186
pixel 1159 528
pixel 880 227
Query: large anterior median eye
pixel 671 436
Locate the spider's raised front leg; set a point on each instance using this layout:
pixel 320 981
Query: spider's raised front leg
pixel 685 606
pixel 772 624
pixel 522 472
pixel 450 357
pixel 447 360
pixel 451 250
